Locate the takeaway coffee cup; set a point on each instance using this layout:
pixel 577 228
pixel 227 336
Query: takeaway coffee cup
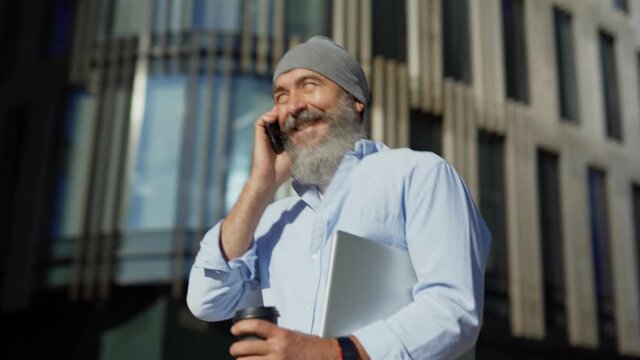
pixel 268 313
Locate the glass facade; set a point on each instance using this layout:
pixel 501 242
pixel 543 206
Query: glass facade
pixel 251 98
pixel 305 19
pixel 72 186
pixel 73 179
pixel 154 183
pixel 214 15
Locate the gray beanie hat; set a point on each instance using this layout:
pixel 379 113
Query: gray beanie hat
pixel 329 59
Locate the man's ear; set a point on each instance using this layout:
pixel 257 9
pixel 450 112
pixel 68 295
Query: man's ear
pixel 359 107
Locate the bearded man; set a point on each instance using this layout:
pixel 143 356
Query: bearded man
pixel 278 251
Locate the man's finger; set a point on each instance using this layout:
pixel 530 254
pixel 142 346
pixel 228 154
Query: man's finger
pixel 249 347
pixel 261 328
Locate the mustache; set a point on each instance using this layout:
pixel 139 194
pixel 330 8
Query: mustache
pixel 303 117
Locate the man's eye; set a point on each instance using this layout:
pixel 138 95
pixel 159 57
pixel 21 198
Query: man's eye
pixel 309 85
pixel 281 98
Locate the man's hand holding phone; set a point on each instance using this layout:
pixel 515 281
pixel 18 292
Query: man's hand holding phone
pixel 271 164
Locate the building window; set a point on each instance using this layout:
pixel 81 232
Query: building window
pixel 14 132
pixel 129 17
pixel 11 36
pixel 610 90
pixel 622 5
pixel 457 42
pixel 493 209
pixel 56 29
pixel 389 40
pixel 221 155
pixel 220 15
pixel 72 181
pixel 638 69
pixel 425 133
pixel 601 257
pixel 154 184
pixel 551 238
pixel 567 86
pixel 515 50
pixel 307 18
pixel 636 222
pixel 251 95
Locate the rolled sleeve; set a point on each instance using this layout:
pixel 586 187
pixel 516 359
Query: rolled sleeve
pixel 218 287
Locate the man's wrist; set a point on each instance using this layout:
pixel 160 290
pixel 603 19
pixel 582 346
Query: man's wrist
pixel 348 348
pixel 260 188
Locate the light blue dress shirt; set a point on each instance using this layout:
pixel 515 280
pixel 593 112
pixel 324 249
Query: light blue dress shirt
pixel 412 200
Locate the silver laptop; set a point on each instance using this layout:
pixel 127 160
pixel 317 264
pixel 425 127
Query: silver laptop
pixel 368 281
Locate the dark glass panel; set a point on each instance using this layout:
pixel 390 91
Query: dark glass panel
pixel 610 89
pixel 493 209
pixel 425 132
pixel 515 50
pixel 457 40
pixel 565 60
pixel 600 242
pixel 550 211
pixel 389 39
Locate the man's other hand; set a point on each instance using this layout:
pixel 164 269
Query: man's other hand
pixel 280 343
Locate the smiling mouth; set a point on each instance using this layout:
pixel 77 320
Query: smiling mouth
pixel 305 124
pixel 301 124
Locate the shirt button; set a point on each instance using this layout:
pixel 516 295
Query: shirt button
pixel 315 257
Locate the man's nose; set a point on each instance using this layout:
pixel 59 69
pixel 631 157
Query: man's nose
pixel 296 104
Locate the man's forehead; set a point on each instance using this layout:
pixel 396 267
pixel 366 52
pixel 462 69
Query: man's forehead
pixel 295 74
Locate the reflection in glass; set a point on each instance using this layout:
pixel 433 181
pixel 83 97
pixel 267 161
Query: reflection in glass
pixel 214 194
pixel 154 182
pixel 73 180
pixel 217 15
pixel 306 18
pixel 200 153
pixel 251 96
pixel 129 17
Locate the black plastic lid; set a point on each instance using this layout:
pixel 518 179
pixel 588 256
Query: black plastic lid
pixel 256 312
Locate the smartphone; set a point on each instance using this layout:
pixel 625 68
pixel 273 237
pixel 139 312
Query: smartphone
pixel 275 136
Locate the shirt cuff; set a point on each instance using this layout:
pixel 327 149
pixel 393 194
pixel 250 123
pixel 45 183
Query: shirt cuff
pixel 210 256
pixel 380 342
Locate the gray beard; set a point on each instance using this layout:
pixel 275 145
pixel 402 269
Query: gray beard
pixel 317 164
